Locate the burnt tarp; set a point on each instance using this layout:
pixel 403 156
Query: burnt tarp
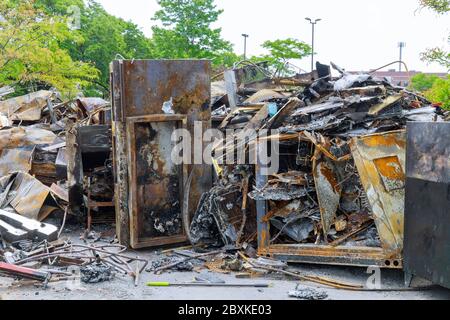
pixel 427 213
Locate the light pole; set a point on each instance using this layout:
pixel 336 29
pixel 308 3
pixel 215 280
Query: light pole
pixel 245 45
pixel 313 23
pixel 401 45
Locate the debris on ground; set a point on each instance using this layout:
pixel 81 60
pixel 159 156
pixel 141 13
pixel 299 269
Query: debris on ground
pixel 182 266
pixel 96 272
pixel 306 293
pixel 336 197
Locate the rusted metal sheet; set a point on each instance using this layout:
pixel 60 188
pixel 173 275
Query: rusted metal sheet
pixel 95 139
pixel 25 136
pixel 5 121
pixel 27 195
pixel 380 160
pixel 74 169
pixel 319 254
pixel 120 155
pixel 142 88
pixel 428 151
pixel 328 190
pixel 14 160
pixel 26 108
pixel 61 164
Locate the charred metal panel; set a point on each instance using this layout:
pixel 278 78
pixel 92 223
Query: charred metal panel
pixel 156 183
pixel 14 160
pixel 318 254
pixel 160 88
pixel 95 145
pixel 427 209
pixel 61 164
pixel 328 190
pixel 95 139
pixel 380 160
pixel 74 169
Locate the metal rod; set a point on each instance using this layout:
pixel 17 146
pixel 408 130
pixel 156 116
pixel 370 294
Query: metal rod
pixel 313 24
pixel 245 45
pixel 207 284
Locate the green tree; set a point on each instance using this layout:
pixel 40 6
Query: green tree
pixel 440 6
pixel 280 52
pixel 102 37
pixel 422 82
pixel 440 92
pixel 437 55
pixel 186 32
pixel 30 51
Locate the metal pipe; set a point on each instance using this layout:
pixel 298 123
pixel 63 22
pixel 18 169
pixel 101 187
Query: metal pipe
pixel 313 24
pixel 245 45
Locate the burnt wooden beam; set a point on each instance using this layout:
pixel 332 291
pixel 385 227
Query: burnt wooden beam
pixel 74 169
pixel 119 142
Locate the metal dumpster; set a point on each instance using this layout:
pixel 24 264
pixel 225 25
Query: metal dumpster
pixel 427 209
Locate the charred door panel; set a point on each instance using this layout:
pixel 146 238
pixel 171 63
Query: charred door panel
pixel 156 181
pixel 146 181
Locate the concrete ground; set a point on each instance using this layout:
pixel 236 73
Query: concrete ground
pixel 123 288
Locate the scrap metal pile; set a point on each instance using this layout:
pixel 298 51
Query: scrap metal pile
pixel 35 163
pixel 332 131
pixel 33 152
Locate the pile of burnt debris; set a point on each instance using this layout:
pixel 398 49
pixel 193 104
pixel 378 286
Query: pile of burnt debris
pixel 55 165
pixel 332 191
pixel 341 155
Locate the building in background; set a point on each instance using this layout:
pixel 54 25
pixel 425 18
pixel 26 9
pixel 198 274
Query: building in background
pixel 400 78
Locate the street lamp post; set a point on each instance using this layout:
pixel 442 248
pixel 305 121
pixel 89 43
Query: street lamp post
pixel 313 24
pixel 245 45
pixel 401 45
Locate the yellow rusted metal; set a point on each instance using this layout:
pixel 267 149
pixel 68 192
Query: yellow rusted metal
pixel 28 195
pixel 380 159
pixel 15 160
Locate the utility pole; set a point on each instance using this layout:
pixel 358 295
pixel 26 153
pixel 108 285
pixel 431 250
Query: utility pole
pixel 313 23
pixel 245 45
pixel 401 45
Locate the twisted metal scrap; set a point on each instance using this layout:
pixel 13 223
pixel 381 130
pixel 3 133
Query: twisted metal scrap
pixel 89 254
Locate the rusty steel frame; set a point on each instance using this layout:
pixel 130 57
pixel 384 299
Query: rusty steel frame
pixel 136 241
pixel 141 88
pixel 325 254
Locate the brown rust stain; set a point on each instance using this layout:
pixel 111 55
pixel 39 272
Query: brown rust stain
pixel 390 168
pixel 384 141
pixel 331 177
pixel 263 240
